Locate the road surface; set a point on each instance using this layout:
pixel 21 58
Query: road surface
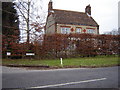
pixel 61 78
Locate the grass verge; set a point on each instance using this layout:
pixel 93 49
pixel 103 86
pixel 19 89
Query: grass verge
pixel 100 61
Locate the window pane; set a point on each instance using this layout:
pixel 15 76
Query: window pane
pixel 78 30
pixel 65 30
pixel 90 31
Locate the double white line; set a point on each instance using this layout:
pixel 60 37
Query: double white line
pixel 63 84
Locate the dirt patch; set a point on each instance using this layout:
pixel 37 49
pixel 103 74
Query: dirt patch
pixel 27 66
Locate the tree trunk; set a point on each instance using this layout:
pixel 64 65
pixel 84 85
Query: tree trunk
pixel 28 29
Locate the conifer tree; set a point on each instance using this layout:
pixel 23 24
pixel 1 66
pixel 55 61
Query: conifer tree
pixel 10 21
pixel 10 26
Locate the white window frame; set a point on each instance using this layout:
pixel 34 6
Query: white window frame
pixel 78 30
pixel 65 30
pixel 91 31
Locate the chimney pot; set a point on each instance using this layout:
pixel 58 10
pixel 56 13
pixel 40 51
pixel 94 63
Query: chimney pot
pixel 88 10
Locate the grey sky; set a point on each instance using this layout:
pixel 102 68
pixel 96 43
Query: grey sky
pixel 119 14
pixel 105 12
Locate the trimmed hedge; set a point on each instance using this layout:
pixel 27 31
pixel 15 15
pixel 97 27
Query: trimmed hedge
pixel 68 46
pixel 77 45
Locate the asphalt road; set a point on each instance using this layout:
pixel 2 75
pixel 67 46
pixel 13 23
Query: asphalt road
pixel 62 78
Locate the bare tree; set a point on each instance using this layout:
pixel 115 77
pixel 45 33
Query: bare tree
pixel 30 17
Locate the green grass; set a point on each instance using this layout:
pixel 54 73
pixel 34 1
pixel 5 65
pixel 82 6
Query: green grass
pixel 74 62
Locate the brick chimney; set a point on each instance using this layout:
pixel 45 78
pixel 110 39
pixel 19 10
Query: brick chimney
pixel 50 7
pixel 88 10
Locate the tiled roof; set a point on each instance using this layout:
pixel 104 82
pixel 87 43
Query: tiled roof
pixel 73 17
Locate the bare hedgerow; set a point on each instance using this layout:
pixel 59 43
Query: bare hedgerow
pixel 67 46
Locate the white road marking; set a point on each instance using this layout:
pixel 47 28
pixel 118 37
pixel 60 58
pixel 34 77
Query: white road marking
pixel 63 84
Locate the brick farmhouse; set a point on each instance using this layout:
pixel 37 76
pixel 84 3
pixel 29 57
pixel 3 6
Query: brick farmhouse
pixel 66 22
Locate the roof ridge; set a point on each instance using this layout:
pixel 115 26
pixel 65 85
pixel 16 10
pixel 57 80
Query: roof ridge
pixel 69 11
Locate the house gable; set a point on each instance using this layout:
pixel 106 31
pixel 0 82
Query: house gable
pixel 50 25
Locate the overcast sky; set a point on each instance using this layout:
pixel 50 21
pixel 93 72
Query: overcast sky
pixel 105 12
pixel 119 14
